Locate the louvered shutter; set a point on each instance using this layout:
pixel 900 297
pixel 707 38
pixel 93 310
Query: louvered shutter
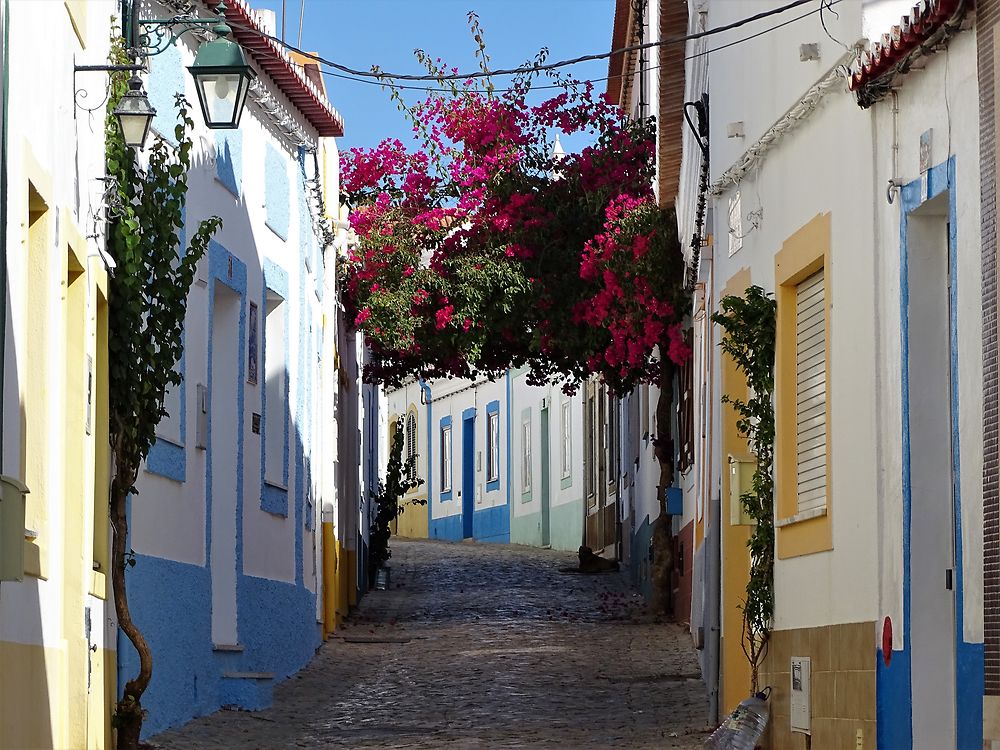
pixel 810 393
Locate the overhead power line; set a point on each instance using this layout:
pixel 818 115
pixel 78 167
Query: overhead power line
pixel 382 76
pixel 369 82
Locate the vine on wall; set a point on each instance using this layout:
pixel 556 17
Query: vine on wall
pixel 400 478
pixel 147 301
pixel 749 325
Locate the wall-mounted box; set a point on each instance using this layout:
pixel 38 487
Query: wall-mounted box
pixel 740 481
pixel 12 502
pixel 675 501
pixel 800 702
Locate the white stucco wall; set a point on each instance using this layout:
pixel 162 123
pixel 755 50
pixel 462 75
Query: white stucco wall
pixel 950 80
pixel 764 77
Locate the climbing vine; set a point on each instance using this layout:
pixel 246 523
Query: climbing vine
pixel 400 479
pixel 148 291
pixel 749 324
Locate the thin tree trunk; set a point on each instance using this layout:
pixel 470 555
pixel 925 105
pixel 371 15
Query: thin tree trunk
pixel 129 713
pixel 663 537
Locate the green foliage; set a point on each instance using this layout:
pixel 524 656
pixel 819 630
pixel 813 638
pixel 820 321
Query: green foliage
pixel 149 286
pixel 749 324
pixel 400 479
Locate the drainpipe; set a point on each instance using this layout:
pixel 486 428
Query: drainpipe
pixel 713 593
pixel 3 210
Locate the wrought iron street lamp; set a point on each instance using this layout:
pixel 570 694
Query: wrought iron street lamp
pixel 220 71
pixel 135 114
pixel 222 78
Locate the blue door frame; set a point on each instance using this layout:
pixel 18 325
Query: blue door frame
pixel 468 471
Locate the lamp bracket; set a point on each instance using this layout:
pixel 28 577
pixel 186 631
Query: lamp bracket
pixel 151 36
pixel 156 35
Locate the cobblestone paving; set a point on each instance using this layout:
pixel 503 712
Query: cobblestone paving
pixel 502 650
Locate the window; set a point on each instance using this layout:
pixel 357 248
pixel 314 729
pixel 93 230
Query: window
pixel 567 440
pixel 803 495
pixel 685 411
pixel 526 454
pixel 411 446
pixel 446 457
pixel 810 394
pixel 275 390
pixel 735 225
pixel 493 446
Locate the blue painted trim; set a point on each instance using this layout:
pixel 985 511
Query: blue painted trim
pixel 492 525
pixel 493 407
pixel 229 159
pixel 895 716
pixel 277 195
pixel 447 494
pixel 219 265
pixel 167 459
pixel 274 500
pixel 469 413
pixel 274 278
pixel 448 528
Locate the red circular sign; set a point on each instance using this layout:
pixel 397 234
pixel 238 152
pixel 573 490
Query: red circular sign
pixel 887 641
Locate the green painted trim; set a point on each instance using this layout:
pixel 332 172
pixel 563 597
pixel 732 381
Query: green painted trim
pixel 566 482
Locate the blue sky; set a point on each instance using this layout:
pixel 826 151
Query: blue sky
pixel 360 33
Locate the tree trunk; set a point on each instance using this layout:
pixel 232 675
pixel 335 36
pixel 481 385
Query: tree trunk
pixel 129 713
pixel 663 538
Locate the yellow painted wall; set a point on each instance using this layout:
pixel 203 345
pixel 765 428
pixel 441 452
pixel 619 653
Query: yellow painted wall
pixel 413 521
pixel 735 677
pixel 56 692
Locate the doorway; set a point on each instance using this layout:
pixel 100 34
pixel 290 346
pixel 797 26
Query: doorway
pixel 932 473
pixel 468 474
pixel 546 473
pixel 223 460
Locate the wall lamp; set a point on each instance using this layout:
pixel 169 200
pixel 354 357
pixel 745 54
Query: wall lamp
pixel 221 74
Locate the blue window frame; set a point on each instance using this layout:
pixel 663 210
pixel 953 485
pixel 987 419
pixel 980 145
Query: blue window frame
pixel 492 446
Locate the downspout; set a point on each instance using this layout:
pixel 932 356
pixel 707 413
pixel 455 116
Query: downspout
pixel 427 399
pixel 3 211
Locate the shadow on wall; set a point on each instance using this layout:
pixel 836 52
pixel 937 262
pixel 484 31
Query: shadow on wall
pixel 223 633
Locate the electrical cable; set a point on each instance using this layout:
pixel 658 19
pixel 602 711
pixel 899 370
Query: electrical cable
pixel 379 75
pixel 387 84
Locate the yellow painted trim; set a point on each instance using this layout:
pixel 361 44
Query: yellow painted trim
pixel 77 10
pixel 801 255
pixel 735 677
pixel 412 409
pixel 98 584
pixel 329 578
pixel 42 293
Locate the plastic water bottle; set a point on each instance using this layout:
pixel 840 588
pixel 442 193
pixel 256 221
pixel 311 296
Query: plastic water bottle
pixel 743 727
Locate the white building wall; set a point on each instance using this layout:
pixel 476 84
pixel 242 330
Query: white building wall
pixel 835 586
pixel 949 76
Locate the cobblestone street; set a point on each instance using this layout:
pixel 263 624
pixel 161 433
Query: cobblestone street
pixel 482 646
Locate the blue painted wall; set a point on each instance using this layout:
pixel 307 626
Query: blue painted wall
pixel 171 601
pixel 277 196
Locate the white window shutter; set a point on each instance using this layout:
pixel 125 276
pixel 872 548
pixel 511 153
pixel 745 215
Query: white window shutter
pixel 810 393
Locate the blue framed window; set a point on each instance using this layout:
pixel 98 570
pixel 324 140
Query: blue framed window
pixel 492 446
pixel 446 458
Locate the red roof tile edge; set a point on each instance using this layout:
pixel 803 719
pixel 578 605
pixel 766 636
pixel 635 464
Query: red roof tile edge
pixel 912 32
pixel 248 30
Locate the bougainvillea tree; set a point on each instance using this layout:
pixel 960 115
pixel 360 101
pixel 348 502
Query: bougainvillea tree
pixel 479 249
